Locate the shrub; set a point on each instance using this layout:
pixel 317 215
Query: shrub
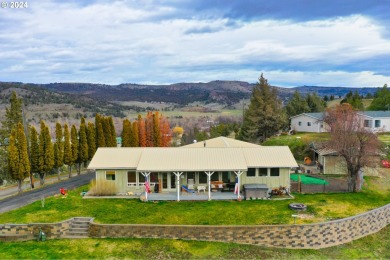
pixel 105 188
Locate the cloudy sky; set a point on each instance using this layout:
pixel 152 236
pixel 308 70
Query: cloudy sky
pixel 293 42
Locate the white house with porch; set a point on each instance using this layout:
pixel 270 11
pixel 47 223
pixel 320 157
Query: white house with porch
pixel 214 168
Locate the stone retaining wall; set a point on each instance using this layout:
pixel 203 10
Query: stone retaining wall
pixel 23 232
pixel 314 236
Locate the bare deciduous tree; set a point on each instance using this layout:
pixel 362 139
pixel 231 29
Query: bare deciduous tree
pixel 352 141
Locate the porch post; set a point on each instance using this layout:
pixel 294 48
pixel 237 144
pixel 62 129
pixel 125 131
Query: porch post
pixel 209 182
pixel 238 183
pixel 178 184
pixel 146 175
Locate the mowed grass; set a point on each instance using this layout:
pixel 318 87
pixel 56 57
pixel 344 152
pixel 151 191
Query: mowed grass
pixel 375 246
pixel 321 207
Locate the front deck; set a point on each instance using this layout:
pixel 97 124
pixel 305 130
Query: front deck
pixel 190 196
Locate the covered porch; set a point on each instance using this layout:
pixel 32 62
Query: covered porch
pixel 184 196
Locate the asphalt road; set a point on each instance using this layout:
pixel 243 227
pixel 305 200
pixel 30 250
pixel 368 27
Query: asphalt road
pixel 29 197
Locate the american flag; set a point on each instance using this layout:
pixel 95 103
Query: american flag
pixel 147 185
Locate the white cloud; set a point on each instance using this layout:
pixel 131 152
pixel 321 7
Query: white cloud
pixel 120 41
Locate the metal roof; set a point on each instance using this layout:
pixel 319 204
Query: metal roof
pixel 170 159
pixel 222 141
pixel 116 158
pixel 269 156
pixel 192 159
pixel 318 116
pixel 375 114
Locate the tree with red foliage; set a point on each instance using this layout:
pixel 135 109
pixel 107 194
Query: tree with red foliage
pixel 352 141
pixel 141 131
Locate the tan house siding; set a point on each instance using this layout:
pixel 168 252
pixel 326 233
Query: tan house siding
pixel 272 182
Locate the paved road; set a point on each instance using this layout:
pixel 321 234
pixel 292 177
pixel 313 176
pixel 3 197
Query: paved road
pixel 28 197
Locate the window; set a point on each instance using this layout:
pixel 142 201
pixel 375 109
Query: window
pixel 202 177
pixel 263 172
pixel 299 123
pixel 251 172
pixel 367 123
pixel 226 177
pixel 110 175
pixel 308 123
pixel 377 123
pixel 131 177
pixel 215 176
pixel 275 172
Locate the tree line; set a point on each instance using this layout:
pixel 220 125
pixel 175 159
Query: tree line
pixel 29 152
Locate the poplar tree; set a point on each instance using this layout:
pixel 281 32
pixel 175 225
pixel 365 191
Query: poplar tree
pixel 165 130
pixel 68 158
pixel 74 144
pixel 34 151
pixel 18 162
pixel 101 142
pixel 91 132
pixel 97 134
pixel 13 116
pixel 264 116
pixel 83 145
pixel 58 149
pixel 149 130
pixel 156 130
pixel 141 131
pixel 106 132
pixel 46 152
pixel 112 132
pixel 126 133
pixel 135 140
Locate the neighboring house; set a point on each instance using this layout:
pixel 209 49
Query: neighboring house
pixel 308 122
pixel 376 121
pixel 171 167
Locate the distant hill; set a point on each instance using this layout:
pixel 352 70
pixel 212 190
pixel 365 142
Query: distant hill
pixel 224 92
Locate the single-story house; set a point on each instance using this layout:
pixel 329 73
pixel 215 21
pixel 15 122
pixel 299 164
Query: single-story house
pixel 220 160
pixel 309 122
pixel 376 121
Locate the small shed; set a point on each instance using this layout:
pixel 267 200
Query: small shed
pixel 255 191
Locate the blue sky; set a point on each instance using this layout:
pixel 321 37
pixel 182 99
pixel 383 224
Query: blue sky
pixel 292 42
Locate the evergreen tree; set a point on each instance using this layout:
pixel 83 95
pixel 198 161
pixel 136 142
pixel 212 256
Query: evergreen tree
pixel 297 105
pixel 91 140
pixel 315 103
pixel 46 152
pixel 135 139
pixel 18 162
pixel 126 133
pixel 58 149
pixel 68 158
pixel 13 116
pixel 74 144
pixel 381 99
pixel 354 100
pixel 83 145
pixel 264 116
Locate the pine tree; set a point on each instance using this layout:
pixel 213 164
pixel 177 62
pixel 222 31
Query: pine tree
pixel 74 144
pixel 68 158
pixel 83 145
pixel 135 139
pixel 58 149
pixel 264 116
pixel 18 162
pixel 91 140
pixel 46 152
pixel 297 105
pixel 141 131
pixel 126 133
pixel 34 151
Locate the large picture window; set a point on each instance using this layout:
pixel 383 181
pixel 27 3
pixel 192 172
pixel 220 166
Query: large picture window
pixel 110 175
